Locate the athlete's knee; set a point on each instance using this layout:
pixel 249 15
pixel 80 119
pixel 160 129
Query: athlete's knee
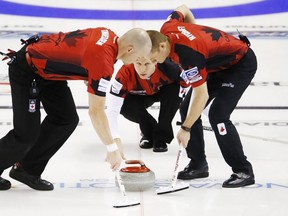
pixel 132 114
pixel 73 120
pixel 70 120
pixel 216 117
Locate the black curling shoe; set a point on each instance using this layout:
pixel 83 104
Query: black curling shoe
pixel 145 143
pixel 4 184
pixel 160 147
pixel 239 180
pixel 35 182
pixel 189 173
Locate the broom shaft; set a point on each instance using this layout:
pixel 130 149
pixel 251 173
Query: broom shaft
pixel 179 156
pixel 121 186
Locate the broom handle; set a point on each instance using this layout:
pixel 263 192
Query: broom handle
pixel 176 169
pixel 121 186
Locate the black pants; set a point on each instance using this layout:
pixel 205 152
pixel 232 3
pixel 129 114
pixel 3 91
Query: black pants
pixel 226 88
pixel 135 107
pixel 32 142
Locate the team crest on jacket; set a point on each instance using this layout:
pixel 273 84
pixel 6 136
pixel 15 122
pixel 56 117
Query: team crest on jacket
pixel 32 105
pixel 191 75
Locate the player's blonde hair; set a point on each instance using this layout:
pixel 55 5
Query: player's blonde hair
pixel 156 38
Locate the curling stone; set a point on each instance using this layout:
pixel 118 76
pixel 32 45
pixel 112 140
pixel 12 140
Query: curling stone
pixel 136 178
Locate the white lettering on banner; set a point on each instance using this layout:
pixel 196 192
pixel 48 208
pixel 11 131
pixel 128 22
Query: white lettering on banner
pixel 188 34
pixel 103 84
pixel 116 87
pixel 104 37
pixel 191 75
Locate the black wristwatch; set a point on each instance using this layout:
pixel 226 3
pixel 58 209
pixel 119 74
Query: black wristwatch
pixel 187 129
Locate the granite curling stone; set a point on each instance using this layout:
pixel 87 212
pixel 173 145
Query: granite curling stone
pixel 136 178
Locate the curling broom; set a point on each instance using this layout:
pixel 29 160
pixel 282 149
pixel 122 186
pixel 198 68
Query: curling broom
pixel 125 202
pixel 174 187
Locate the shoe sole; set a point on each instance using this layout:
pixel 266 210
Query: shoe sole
pixel 200 175
pixel 144 147
pixel 4 184
pixel 19 178
pixel 160 151
pixel 5 187
pixel 239 185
